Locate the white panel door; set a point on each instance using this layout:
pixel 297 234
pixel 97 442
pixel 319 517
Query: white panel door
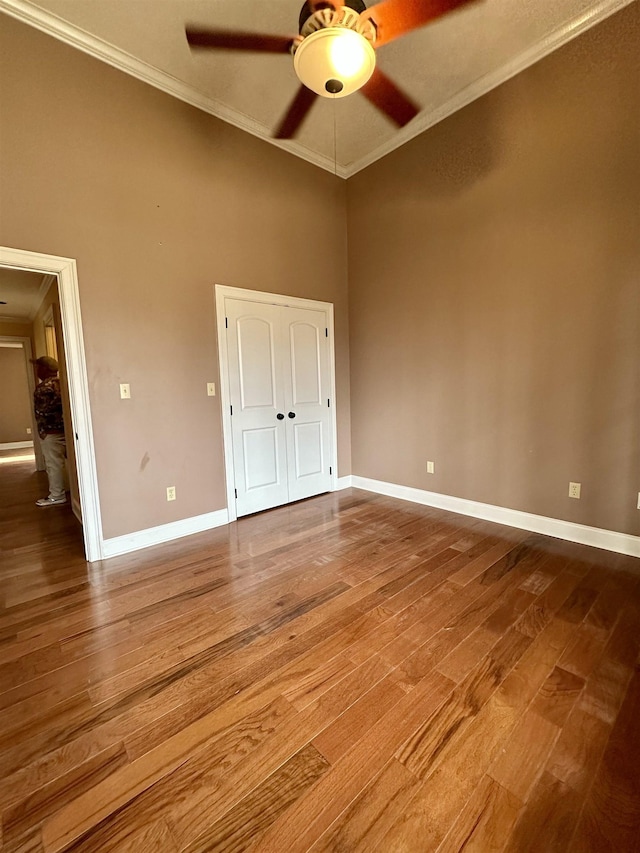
pixel 307 382
pixel 257 398
pixel 279 384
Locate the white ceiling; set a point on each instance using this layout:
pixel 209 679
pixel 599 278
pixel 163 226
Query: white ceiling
pixel 442 67
pixel 23 292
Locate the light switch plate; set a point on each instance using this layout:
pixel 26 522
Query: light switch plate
pixel 211 389
pixel 125 391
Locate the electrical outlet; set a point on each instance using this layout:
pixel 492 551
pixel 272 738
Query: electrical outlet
pixel 28 430
pixel 638 500
pixel 125 391
pixel 430 468
pixel 211 389
pixel 171 493
pixel 574 490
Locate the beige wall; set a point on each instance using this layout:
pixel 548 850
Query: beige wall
pixel 15 405
pixel 14 330
pixel 495 293
pixel 157 202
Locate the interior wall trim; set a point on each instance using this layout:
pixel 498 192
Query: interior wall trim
pixel 343 483
pixel 28 12
pixel 15 445
pixel 129 542
pixel 482 85
pixel 119 545
pixel 596 537
pixel 53 25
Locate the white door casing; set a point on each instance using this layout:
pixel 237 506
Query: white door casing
pixel 65 270
pixel 276 359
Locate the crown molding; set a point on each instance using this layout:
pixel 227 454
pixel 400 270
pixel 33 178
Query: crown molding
pixel 47 281
pixel 11 319
pixel 559 37
pixel 76 37
pixel 52 25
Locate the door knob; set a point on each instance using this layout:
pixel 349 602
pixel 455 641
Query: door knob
pixel 292 414
pixel 280 416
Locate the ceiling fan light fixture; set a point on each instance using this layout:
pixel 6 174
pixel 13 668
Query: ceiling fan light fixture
pixel 334 62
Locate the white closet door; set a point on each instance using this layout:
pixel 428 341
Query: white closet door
pixel 257 397
pixel 279 384
pixel 306 383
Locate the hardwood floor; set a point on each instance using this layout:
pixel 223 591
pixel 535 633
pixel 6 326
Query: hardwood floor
pixel 350 673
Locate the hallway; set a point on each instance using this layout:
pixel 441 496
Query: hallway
pixel 33 539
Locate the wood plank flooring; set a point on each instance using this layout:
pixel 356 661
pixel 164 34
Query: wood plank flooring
pixel 350 673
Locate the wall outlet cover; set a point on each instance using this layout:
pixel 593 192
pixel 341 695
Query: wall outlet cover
pixel 574 490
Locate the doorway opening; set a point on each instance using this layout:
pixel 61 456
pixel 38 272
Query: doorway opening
pixel 80 434
pixel 17 419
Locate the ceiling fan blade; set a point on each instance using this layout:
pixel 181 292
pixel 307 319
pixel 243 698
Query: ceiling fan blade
pixel 296 114
pixel 236 40
pixel 390 99
pixel 394 18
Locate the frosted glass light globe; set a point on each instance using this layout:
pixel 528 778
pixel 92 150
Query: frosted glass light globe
pixel 334 62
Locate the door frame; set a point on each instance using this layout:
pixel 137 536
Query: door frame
pixel 72 340
pixel 222 291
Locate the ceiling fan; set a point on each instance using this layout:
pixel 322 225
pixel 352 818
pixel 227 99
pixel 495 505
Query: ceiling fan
pixel 334 53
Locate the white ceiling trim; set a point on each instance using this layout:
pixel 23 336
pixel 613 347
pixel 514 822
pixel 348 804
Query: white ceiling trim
pixel 24 321
pixel 486 83
pixel 47 281
pixel 76 37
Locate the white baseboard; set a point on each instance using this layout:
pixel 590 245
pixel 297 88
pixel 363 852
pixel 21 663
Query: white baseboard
pixel 343 483
pixel 164 533
pixel 609 540
pixel 15 445
pixel 596 537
